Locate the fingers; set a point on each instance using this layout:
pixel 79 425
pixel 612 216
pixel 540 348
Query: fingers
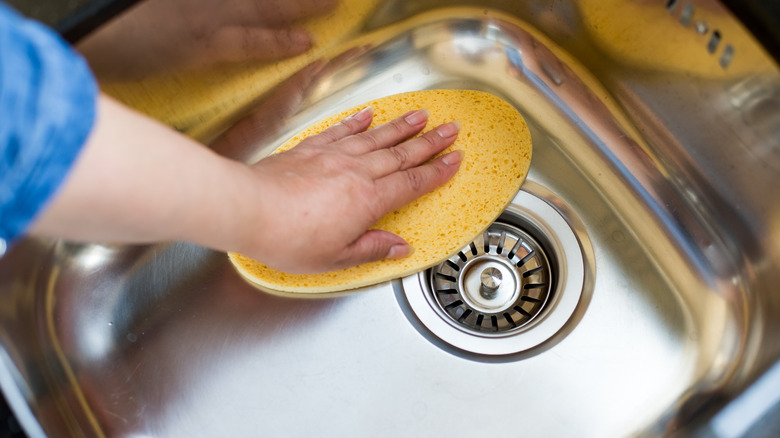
pixel 389 134
pixel 413 152
pixel 239 43
pixel 374 245
pixel 357 142
pixel 405 186
pixel 352 125
pixel 402 188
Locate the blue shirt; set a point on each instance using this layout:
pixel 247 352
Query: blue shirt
pixel 47 108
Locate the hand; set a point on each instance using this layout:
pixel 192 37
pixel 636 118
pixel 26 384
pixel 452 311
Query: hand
pixel 316 202
pixel 306 210
pixel 160 35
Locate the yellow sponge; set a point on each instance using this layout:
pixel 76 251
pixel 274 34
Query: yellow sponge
pixel 644 34
pixel 199 103
pixel 497 147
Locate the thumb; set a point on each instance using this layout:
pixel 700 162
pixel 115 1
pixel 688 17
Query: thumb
pixel 376 245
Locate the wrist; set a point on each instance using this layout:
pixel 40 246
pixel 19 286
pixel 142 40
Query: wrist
pixel 239 214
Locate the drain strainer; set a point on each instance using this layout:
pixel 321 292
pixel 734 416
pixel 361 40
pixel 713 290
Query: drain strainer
pixel 512 288
pixel 497 284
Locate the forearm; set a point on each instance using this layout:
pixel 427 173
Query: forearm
pixel 137 180
pixel 305 210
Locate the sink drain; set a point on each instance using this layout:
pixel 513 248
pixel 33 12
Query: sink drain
pixel 498 284
pixel 511 289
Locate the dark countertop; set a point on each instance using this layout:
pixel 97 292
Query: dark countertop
pixel 9 427
pixel 762 18
pixel 76 18
pixel 72 18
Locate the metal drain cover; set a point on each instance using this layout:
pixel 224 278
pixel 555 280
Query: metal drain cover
pixel 498 284
pixel 512 289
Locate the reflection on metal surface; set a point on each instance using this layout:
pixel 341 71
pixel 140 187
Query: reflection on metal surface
pixel 666 159
pixel 546 283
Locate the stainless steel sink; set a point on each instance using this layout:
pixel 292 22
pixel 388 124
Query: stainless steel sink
pixel 653 189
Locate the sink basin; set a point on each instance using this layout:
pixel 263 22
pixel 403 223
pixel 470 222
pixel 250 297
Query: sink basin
pixel 664 257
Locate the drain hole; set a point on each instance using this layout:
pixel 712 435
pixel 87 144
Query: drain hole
pixel 728 55
pixel 525 259
pixel 687 14
pixel 453 305
pixel 714 41
pixel 478 283
pixel 533 271
pixel 514 250
pixel 500 247
pixel 503 293
pixel 534 286
pixel 445 277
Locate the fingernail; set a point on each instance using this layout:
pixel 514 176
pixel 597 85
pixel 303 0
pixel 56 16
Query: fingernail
pixel 417 117
pixel 453 158
pixel 400 251
pixel 363 115
pixel 448 130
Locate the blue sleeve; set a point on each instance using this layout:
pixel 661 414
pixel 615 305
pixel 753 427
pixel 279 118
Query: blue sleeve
pixel 47 108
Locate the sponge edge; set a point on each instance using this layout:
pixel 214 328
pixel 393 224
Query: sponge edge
pixel 497 146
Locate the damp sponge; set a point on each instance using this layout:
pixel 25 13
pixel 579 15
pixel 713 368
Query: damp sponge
pixel 497 145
